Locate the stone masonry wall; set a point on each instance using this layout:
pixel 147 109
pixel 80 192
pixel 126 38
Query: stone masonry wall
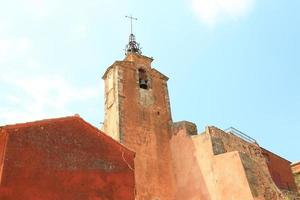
pixel 296 171
pixel 259 178
pixel 144 125
pixel 297 180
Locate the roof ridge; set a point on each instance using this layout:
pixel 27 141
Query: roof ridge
pixel 279 156
pixel 37 122
pixel 60 119
pixel 105 135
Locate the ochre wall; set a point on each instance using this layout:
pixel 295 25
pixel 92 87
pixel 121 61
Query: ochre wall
pixel 230 177
pixel 111 106
pixel 3 141
pixel 172 161
pixel 65 160
pixel 280 170
pixel 202 175
pixel 254 163
pixel 145 129
pixel 144 121
pixel 297 180
pixel 219 166
pixel 191 164
pixel 296 173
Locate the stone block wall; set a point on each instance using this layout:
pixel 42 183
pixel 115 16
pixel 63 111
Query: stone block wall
pixel 296 172
pixel 257 173
pixel 140 118
pixel 218 166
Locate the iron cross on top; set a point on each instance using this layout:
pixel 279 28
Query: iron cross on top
pixel 131 18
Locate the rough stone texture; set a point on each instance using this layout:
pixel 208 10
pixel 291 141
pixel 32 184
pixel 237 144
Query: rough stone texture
pixel 63 158
pixel 172 161
pixel 280 171
pixel 189 127
pixel 143 122
pixel 219 166
pixel 258 175
pixel 111 123
pixel 225 142
pixel 295 167
pixel 296 171
pixel 202 175
pixel 290 195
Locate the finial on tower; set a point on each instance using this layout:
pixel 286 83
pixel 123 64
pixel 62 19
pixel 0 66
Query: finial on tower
pixel 132 46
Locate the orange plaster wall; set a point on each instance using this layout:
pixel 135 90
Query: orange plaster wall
pixel 256 169
pixel 231 174
pixel 3 140
pixel 191 175
pixel 230 177
pixel 280 170
pixel 202 175
pixel 145 128
pixel 65 160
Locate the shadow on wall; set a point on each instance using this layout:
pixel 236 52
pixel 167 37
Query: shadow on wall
pixel 190 182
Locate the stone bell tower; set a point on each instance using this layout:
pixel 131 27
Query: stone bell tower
pixel 137 114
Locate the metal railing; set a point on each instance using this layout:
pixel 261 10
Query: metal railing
pixel 240 134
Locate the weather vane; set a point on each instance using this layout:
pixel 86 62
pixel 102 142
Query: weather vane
pixel 131 18
pixel 132 46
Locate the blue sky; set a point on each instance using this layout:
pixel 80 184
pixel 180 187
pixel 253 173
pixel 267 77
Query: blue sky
pixel 230 62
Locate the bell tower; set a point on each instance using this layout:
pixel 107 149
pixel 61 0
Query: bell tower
pixel 137 114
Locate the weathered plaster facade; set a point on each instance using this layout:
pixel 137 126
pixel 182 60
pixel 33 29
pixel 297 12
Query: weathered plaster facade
pixel 63 158
pixel 172 161
pixel 66 158
pixel 280 171
pixel 141 120
pixel 218 165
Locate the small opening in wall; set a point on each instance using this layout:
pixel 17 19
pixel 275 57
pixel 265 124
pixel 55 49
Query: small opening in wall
pixel 143 79
pixel 158 113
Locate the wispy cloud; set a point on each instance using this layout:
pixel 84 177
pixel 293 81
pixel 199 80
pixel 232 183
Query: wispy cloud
pixel 41 97
pixel 210 12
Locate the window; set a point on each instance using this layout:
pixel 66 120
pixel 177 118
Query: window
pixel 143 79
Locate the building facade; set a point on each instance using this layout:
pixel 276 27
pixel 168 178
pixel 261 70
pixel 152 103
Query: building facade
pixel 137 114
pixel 63 158
pixel 147 157
pixel 173 161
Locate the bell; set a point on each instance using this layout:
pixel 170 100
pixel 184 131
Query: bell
pixel 143 84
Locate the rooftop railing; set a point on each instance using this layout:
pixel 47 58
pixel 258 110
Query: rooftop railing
pixel 240 134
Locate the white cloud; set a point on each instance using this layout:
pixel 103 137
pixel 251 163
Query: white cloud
pixel 211 12
pixel 41 97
